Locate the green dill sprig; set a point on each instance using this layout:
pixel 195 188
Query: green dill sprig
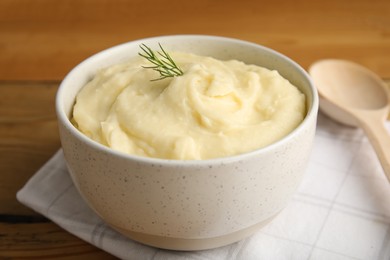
pixel 163 63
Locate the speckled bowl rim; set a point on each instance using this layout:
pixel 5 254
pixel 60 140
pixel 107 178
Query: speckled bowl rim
pixel 64 119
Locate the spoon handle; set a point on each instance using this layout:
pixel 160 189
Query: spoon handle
pixel 373 124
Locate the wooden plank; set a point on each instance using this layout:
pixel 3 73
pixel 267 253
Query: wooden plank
pixel 44 241
pixel 44 39
pixel 28 137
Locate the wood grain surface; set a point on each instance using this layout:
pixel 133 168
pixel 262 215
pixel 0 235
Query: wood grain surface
pixel 41 40
pixel 28 138
pixel 44 39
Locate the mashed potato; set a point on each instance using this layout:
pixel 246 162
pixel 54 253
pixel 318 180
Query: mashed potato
pixel 216 109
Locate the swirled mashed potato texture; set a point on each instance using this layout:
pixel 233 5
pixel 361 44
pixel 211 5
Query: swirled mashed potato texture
pixel 216 109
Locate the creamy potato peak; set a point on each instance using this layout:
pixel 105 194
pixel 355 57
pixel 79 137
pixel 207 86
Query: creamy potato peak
pixel 216 109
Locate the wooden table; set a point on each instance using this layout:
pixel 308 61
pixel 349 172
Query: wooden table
pixel 41 40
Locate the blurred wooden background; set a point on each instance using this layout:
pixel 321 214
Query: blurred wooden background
pixel 41 40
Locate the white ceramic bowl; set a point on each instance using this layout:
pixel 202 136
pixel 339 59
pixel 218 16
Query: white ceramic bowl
pixel 187 205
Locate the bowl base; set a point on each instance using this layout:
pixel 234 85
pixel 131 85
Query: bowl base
pixel 185 244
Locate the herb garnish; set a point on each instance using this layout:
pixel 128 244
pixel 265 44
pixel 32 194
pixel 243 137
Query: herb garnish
pixel 163 63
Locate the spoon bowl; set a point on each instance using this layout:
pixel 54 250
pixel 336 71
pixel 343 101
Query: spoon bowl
pixel 355 96
pixel 344 85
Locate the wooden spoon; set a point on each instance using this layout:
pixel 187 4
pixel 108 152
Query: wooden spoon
pixel 355 96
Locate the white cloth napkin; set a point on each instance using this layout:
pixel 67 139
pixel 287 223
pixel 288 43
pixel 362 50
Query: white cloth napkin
pixel 341 210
